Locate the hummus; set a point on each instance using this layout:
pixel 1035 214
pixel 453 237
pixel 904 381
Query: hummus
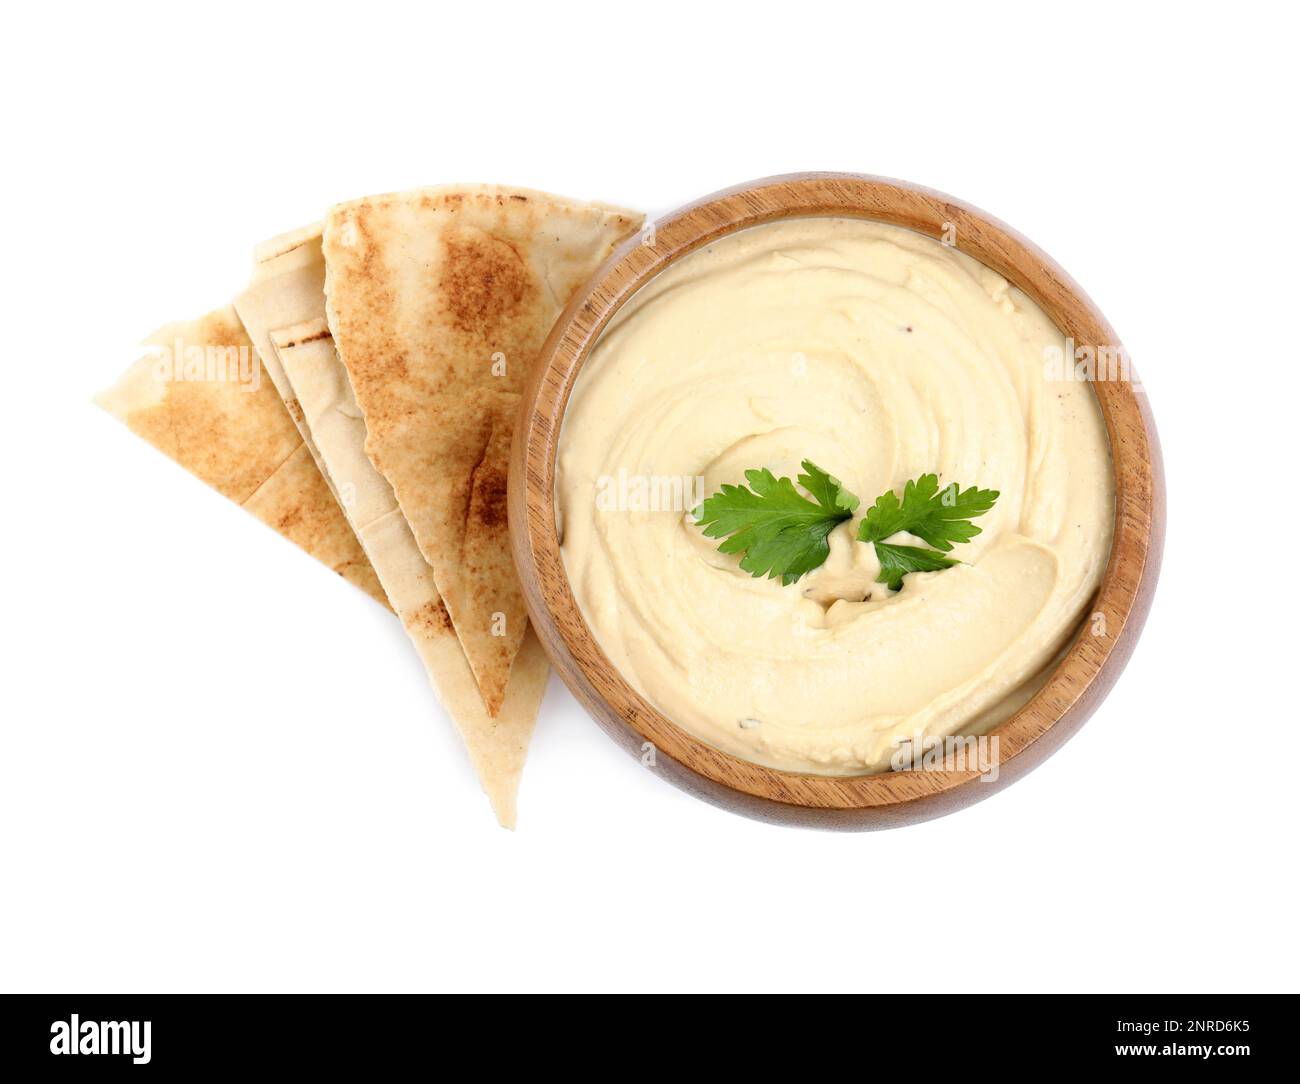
pixel 880 355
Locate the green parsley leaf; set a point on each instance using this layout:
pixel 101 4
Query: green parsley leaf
pixel 781 533
pixel 937 517
pixel 897 561
pixel 829 492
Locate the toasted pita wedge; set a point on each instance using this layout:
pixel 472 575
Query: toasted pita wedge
pixel 439 301
pixel 198 397
pixel 497 747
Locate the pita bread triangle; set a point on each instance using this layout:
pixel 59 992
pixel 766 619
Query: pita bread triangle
pixel 287 286
pixel 439 301
pixel 197 395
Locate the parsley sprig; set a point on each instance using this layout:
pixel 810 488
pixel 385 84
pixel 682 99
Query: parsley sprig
pixel 937 517
pixel 780 531
pixel 782 534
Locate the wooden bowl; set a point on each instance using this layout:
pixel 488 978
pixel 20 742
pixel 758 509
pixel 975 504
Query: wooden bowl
pixel 1073 690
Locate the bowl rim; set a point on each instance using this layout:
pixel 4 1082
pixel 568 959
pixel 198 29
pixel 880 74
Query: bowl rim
pixel 1080 679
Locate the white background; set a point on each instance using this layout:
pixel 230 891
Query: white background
pixel 193 794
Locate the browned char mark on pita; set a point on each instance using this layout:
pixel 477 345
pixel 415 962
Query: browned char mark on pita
pixel 432 617
pixel 487 485
pixel 314 338
pixel 483 281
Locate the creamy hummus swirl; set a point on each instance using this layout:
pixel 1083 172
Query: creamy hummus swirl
pixel 879 354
